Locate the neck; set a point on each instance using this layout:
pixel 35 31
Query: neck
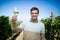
pixel 34 20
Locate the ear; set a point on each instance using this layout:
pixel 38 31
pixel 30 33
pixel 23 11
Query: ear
pixel 38 13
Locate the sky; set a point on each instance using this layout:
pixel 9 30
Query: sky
pixel 23 6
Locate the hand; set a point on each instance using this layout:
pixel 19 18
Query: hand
pixel 14 17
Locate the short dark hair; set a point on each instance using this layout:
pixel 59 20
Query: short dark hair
pixel 34 8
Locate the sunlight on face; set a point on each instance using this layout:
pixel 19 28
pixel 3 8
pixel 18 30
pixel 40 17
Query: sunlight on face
pixel 34 14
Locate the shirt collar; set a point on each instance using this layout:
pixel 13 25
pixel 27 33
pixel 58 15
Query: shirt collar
pixel 34 21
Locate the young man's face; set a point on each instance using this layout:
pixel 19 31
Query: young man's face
pixel 34 14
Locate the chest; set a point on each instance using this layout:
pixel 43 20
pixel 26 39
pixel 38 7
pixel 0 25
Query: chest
pixel 34 27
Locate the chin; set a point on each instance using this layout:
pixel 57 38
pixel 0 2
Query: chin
pixel 34 18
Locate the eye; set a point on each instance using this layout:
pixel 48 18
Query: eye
pixel 36 13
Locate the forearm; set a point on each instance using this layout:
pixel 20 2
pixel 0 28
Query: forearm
pixel 16 30
pixel 14 27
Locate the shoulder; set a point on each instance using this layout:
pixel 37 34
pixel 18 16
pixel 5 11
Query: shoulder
pixel 25 22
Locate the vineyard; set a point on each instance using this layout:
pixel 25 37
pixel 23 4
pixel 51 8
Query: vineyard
pixel 5 28
pixel 52 30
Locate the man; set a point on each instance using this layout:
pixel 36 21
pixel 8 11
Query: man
pixel 33 29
